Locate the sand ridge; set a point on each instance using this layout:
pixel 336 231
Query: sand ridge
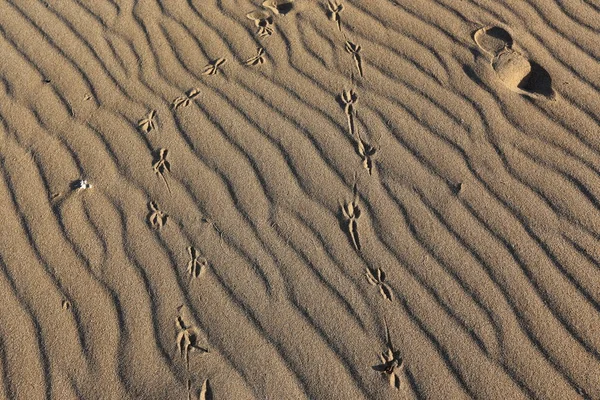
pixel 332 199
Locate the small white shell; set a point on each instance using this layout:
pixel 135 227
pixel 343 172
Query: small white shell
pixel 82 184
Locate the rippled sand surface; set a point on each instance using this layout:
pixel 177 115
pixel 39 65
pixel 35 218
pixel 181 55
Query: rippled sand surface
pixel 367 199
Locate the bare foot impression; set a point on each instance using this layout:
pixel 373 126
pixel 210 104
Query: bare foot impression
pixel 197 263
pixel 258 59
pixel 355 49
pixel 390 363
pixel 334 8
pixel 157 219
pixel 184 101
pixel 263 21
pixel 376 277
pixel 512 68
pixel 213 67
pixel 161 165
pixel 187 340
pixel 148 123
pixel 351 213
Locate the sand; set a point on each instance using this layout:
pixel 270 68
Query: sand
pixel 367 199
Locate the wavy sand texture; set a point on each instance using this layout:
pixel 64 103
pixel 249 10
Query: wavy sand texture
pixel 431 234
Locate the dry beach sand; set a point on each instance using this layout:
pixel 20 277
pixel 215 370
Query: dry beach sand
pixel 362 199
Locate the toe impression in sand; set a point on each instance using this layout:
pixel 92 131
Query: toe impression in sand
pixel 512 68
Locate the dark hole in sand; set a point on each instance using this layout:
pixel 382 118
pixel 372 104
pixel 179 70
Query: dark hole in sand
pixel 500 34
pixel 263 23
pixel 285 8
pixel 538 81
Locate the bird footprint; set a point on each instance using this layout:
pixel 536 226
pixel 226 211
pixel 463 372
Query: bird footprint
pixel 258 59
pixel 391 362
pixel 161 166
pixel 355 49
pixel 187 340
pixel 263 21
pixel 351 213
pixel 263 18
pixel 213 67
pixel 377 278
pixel 157 218
pixel 148 123
pixel 184 101
pixel 197 264
pixel 349 98
pixel 366 152
pixel 333 12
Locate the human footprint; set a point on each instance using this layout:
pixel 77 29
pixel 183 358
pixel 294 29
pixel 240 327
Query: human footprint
pixel 512 68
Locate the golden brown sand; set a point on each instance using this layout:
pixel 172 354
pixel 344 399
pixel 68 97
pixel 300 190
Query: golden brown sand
pixel 366 199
